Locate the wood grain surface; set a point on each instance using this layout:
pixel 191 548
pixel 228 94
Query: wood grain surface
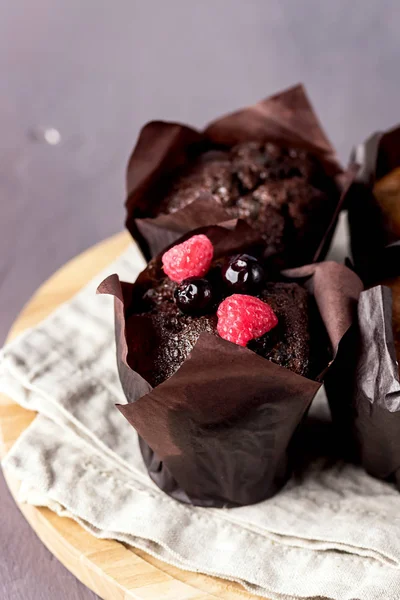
pixel 96 71
pixel 114 571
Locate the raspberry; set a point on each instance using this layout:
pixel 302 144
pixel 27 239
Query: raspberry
pixel 243 318
pixel 189 259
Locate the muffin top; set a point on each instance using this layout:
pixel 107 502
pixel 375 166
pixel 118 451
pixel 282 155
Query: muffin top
pixel 237 174
pixel 282 192
pixel 175 333
pixel 188 291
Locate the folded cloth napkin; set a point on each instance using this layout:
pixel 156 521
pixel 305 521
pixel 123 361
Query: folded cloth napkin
pixel 333 532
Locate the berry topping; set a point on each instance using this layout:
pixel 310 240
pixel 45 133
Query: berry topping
pixel 243 273
pixel 189 259
pixel 243 318
pixel 194 296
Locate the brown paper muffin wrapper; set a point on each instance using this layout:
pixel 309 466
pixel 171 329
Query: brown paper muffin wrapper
pixel 222 430
pixel 373 202
pixel 286 118
pixel 368 413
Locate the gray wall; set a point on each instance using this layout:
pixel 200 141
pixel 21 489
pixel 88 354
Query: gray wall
pixel 97 70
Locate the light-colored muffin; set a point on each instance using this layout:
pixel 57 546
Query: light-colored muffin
pixel 387 193
pixel 394 285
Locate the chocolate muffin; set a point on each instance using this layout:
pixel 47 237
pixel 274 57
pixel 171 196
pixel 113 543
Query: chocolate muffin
pixel 282 192
pixel 172 334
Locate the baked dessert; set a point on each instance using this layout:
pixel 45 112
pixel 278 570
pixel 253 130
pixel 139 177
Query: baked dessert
pixel 282 192
pixel 373 202
pixel 192 297
pixel 387 195
pixel 394 284
pixel 218 423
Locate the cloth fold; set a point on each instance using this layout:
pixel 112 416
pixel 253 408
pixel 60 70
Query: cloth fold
pixel 333 532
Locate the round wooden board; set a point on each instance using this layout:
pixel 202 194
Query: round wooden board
pixel 112 570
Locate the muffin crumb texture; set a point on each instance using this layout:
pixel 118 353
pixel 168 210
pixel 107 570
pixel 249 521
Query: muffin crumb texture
pixel 174 334
pixel 282 192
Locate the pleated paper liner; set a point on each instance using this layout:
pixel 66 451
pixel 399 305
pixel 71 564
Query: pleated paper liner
pixel 368 415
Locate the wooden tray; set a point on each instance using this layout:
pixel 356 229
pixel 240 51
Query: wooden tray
pixel 112 570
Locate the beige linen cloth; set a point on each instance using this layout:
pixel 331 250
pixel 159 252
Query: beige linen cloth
pixel 333 534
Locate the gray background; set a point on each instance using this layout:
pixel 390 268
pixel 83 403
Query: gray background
pixel 96 70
